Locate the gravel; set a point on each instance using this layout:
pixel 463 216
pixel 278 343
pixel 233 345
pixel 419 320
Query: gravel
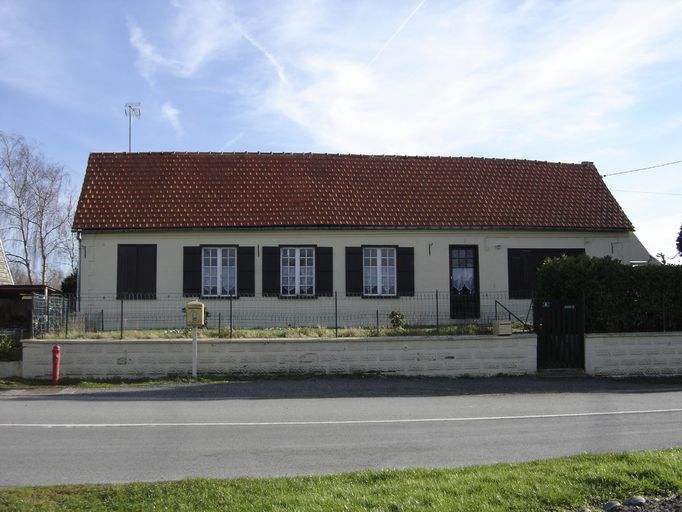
pixel 641 504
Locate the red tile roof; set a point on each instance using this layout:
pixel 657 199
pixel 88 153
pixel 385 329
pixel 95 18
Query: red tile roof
pixel 248 190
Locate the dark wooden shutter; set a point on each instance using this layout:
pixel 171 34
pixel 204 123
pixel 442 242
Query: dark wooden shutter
pixel 353 270
pixel 191 271
pixel 324 272
pixel 136 271
pixel 126 269
pixel 246 272
pixel 270 271
pixel 405 270
pixel 146 271
pixel 515 268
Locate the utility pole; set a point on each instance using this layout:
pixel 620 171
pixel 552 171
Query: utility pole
pixel 131 109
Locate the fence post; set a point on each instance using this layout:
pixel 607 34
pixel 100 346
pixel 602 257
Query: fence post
pixel 219 317
pixel 663 307
pixel 102 320
pixel 47 303
pixel 230 317
pixel 66 333
pixel 437 315
pixel 336 313
pixel 121 317
pixel 377 322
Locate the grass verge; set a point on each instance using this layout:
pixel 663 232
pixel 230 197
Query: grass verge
pixel 558 484
pixel 285 332
pixel 14 383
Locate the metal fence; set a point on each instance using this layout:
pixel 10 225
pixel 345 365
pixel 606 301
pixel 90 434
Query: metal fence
pixel 102 313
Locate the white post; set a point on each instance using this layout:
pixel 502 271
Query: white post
pixel 194 352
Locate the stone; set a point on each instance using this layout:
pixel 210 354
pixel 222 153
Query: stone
pixel 585 510
pixel 636 501
pixel 612 505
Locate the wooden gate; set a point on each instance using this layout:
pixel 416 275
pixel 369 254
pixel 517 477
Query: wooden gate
pixel 560 327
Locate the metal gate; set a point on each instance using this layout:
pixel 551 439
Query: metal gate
pixel 560 327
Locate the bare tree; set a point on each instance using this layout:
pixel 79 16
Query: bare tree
pixel 35 207
pixel 68 243
pixel 16 205
pixel 50 216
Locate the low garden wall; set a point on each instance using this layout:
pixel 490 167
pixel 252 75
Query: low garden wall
pixel 631 354
pixel 9 369
pixel 443 356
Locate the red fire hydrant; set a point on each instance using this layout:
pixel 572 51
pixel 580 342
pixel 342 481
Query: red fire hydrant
pixel 56 360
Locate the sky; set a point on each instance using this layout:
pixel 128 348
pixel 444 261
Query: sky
pixel 567 81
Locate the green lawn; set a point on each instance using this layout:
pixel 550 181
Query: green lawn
pixel 16 382
pixel 283 332
pixel 559 484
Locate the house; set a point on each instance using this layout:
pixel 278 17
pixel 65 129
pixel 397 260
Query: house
pixel 5 272
pixel 375 232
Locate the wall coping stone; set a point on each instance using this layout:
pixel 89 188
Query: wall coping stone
pixel 397 339
pixel 654 334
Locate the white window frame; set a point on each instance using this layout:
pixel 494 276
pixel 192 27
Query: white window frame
pixel 297 271
pixel 219 270
pixel 380 269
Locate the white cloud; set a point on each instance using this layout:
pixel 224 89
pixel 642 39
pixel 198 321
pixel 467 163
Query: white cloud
pixel 202 33
pixel 148 59
pixel 458 77
pixel 172 115
pixel 397 31
pixel 555 80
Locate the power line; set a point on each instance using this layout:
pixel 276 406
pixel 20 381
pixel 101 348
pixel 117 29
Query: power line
pixel 641 169
pixel 642 192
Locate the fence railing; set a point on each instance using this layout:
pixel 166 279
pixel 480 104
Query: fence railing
pixel 104 313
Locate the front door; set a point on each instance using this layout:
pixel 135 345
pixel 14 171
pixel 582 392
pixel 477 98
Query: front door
pixel 464 292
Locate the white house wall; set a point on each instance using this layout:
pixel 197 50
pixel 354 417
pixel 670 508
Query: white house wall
pixel 431 257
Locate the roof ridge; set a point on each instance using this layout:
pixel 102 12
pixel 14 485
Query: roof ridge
pixel 344 155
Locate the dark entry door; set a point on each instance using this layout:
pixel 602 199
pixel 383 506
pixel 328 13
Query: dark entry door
pixel 464 293
pixel 560 328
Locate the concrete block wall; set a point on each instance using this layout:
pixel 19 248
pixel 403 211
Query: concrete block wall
pixel 443 356
pixel 630 354
pixel 10 369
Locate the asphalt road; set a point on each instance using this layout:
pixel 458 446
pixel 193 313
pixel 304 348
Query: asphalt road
pixel 292 427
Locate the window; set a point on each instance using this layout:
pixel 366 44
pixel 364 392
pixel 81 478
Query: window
pixel 462 270
pixel 136 272
pixel 523 266
pixel 297 271
pixel 378 271
pixel 219 272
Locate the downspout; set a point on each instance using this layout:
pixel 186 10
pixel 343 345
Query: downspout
pixel 78 279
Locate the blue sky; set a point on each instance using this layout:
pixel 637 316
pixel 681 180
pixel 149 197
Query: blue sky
pixel 560 81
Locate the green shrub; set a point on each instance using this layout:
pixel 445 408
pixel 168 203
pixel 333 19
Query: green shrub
pixel 617 297
pixel 398 320
pixel 8 350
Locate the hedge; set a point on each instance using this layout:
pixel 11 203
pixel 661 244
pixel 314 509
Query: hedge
pixel 618 297
pixel 10 348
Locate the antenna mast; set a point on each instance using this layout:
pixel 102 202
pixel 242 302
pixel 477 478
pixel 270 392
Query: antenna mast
pixel 131 109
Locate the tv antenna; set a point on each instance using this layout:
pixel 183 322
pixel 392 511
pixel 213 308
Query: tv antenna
pixel 131 109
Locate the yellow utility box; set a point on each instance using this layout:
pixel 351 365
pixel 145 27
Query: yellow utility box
pixel 194 314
